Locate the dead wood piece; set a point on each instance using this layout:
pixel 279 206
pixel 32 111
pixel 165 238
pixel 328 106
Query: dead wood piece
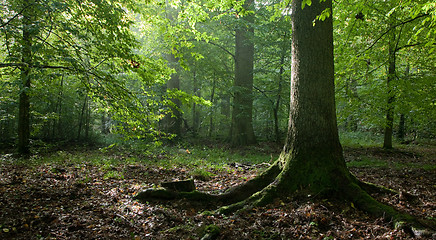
pixel 158 193
pixel 180 186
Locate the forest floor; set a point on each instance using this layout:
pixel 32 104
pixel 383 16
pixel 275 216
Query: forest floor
pixel 87 194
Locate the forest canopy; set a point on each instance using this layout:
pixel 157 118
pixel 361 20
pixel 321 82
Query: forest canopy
pixel 154 70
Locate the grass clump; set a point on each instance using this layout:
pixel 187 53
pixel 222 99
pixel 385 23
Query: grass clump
pixel 368 162
pixel 201 174
pixel 113 175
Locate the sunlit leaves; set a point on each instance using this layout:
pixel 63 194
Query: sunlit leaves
pixel 361 58
pixel 326 13
pixel 306 2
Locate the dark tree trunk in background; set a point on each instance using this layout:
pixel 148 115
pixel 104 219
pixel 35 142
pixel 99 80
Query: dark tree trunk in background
pixel 195 110
pixel 402 124
pixel 225 105
pixel 105 123
pixel 87 120
pixel 82 116
pixel 212 100
pixel 279 90
pixel 389 124
pixel 25 84
pixel 59 110
pixel 242 132
pixel 401 128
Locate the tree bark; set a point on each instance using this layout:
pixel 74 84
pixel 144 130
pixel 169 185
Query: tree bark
pixel 242 132
pixel 312 156
pixel 24 102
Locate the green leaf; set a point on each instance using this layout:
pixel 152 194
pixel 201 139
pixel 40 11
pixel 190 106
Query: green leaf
pixel 306 2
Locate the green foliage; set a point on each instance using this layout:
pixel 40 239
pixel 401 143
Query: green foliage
pixel 306 2
pixel 361 47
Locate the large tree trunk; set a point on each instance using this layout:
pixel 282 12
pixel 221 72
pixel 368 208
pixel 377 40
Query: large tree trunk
pixel 312 158
pixel 24 104
pixel 242 132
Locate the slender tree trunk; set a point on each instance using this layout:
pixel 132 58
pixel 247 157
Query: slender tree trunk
pixel 60 99
pixel 212 99
pixel 402 124
pixel 87 121
pixel 24 103
pixel 279 90
pixel 401 127
pixel 81 117
pixel 58 108
pixel 387 143
pixel 242 132
pixel 195 111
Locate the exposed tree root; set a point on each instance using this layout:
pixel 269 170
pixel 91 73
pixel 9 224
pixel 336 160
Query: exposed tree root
pixel 374 188
pixel 232 195
pixel 366 203
pixel 271 185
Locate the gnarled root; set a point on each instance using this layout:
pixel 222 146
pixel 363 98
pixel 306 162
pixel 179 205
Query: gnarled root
pixel 360 197
pixel 233 195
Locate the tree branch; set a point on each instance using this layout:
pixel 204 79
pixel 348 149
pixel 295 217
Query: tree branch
pixel 407 46
pixel 15 16
pixel 390 29
pixel 217 45
pixel 4 65
pixel 222 48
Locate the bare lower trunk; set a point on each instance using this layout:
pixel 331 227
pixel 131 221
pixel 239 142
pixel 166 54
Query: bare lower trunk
pixel 24 103
pixel 242 132
pixel 389 125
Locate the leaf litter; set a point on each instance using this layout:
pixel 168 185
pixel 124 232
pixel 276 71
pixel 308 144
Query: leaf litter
pixel 83 201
